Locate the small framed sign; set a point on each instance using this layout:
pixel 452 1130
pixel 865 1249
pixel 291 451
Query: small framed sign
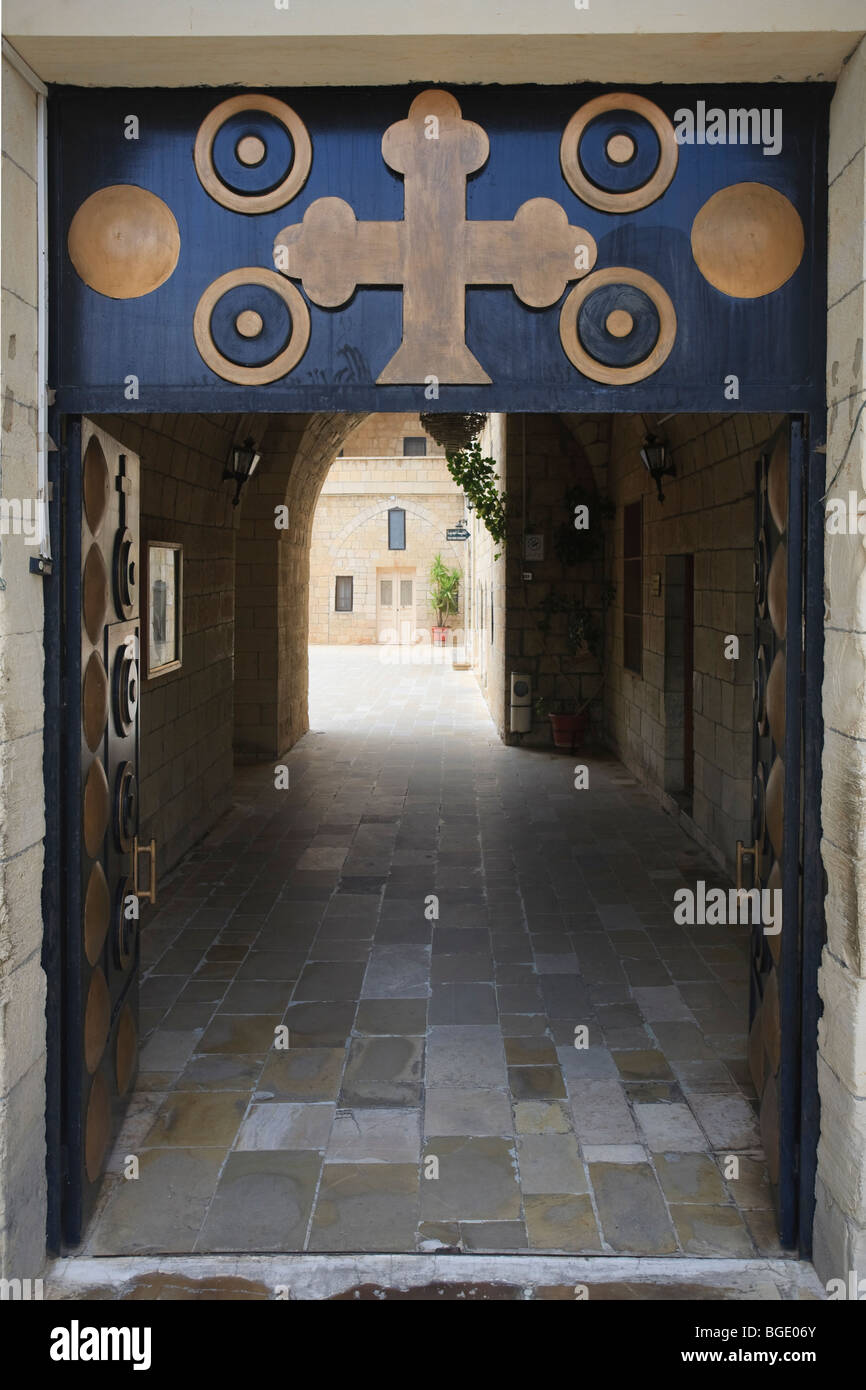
pixel 533 547
pixel 163 636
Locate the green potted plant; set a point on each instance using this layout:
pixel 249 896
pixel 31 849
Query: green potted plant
pixel 568 720
pixel 444 597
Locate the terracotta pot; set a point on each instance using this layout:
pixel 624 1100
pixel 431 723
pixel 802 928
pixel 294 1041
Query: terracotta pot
pixel 440 636
pixel 569 730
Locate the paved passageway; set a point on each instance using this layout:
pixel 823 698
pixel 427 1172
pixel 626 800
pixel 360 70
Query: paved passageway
pixel 433 916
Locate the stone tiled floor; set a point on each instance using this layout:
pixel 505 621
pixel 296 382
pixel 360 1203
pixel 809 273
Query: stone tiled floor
pixel 431 1095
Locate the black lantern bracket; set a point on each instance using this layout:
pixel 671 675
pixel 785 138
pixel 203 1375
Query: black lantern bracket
pixel 654 454
pixel 242 463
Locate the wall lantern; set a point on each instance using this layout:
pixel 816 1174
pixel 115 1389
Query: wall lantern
pixel 242 464
pixel 655 460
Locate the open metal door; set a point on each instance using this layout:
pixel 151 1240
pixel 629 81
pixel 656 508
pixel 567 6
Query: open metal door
pixel 776 853
pixel 99 814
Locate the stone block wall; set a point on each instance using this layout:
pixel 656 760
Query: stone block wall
pixel 486 591
pixel 272 576
pixel 186 715
pixel 708 513
pixel 350 537
pixel 840 1217
pixel 381 436
pixel 555 461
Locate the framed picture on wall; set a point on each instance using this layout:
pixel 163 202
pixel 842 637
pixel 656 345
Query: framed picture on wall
pixel 163 616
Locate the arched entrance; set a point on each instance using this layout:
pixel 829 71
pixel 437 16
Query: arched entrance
pixel 235 341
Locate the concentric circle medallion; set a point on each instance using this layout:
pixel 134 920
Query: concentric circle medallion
pixel 232 306
pixel 618 326
pixel 619 152
pixel 253 153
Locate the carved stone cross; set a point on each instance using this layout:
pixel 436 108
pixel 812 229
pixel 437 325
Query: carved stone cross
pixel 435 252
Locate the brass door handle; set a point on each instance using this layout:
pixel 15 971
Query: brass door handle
pixel 150 891
pixel 754 851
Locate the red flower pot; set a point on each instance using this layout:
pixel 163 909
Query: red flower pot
pixel 569 730
pixel 440 636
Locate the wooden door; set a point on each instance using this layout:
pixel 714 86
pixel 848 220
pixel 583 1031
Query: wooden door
pixel 406 608
pixel 386 607
pixel 100 947
pixel 395 607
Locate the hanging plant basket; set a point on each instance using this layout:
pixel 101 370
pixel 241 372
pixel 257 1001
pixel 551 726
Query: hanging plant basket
pixel 453 431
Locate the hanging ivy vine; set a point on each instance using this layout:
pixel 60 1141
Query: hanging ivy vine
pixel 476 475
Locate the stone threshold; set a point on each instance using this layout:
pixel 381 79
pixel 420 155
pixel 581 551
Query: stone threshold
pixel 473 1277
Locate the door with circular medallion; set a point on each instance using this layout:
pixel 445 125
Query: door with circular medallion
pixel 99 1005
